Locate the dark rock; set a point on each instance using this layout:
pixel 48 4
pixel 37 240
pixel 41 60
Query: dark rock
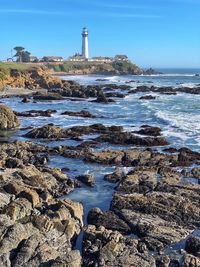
pixel 130 139
pixel 170 150
pixel 47 96
pixel 47 131
pixel 149 130
pixel 187 156
pixel 131 81
pixel 107 219
pixel 13 163
pixel 151 71
pixel 102 99
pixel 147 97
pixel 87 179
pixel 50 131
pixel 115 176
pixel 36 113
pixel 192 245
pixel 119 95
pixel 82 113
pixel 101 80
pixel 25 99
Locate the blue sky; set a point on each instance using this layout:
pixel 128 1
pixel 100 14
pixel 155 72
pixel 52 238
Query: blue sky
pixel 157 33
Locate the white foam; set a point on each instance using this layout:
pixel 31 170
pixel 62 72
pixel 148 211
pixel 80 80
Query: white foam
pixel 181 120
pixel 190 85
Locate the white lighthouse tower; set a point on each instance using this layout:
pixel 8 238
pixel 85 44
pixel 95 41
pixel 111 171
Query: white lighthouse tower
pixel 85 50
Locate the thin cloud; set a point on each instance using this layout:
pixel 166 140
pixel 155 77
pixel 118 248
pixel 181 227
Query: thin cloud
pixel 123 6
pixel 29 11
pixel 134 15
pixel 75 14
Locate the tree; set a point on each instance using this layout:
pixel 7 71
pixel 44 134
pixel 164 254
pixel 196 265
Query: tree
pixel 26 56
pixel 45 59
pixel 19 50
pixel 21 54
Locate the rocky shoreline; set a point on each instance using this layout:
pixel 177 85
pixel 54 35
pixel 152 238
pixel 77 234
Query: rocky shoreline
pixel 154 215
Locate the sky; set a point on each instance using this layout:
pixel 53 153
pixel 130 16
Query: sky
pixel 153 33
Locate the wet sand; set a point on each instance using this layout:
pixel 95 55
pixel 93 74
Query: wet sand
pixel 11 92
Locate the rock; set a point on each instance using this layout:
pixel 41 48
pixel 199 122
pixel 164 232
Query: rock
pixel 36 227
pixel 25 99
pixel 170 150
pixel 192 245
pixel 19 152
pixel 13 163
pixel 8 119
pixel 48 131
pixel 105 157
pixel 82 113
pixel 130 139
pixel 47 96
pixel 147 97
pixel 71 259
pixel 187 156
pixel 115 94
pixel 114 177
pixel 149 130
pixel 87 179
pixel 190 261
pixel 101 80
pixel 168 206
pixel 107 219
pixel 46 234
pixel 131 157
pixel 36 113
pixel 156 233
pixel 138 181
pixel 101 98
pixel 163 261
pixel 151 71
pixel 102 247
pixel 19 209
pixel 5 199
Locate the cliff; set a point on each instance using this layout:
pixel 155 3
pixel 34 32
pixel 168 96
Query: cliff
pixel 32 76
pixel 27 76
pixel 114 68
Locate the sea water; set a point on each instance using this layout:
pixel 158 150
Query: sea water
pixel 177 115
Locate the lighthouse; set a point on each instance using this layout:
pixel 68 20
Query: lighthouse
pixel 85 50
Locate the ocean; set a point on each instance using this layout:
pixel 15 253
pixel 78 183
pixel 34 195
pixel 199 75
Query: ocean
pixel 177 115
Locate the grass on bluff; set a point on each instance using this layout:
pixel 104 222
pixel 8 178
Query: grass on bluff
pixel 69 66
pixel 6 67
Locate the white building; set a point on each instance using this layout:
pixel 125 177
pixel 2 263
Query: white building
pixel 102 59
pixel 84 56
pixel 77 57
pixel 85 49
pixel 52 59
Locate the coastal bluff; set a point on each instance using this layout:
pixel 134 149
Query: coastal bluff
pixel 33 76
pixel 27 76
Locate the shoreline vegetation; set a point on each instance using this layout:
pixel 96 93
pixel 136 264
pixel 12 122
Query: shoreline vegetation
pixel 80 68
pixel 153 213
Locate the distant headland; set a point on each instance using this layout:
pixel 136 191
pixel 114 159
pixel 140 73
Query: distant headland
pixel 81 63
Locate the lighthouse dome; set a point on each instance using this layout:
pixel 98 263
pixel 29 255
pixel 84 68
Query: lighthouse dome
pixel 85 29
